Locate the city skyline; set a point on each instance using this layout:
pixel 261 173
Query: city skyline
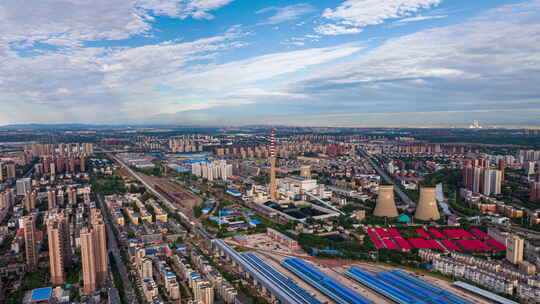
pixel 236 62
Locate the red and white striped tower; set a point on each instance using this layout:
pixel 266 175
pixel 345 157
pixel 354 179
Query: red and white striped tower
pixel 273 182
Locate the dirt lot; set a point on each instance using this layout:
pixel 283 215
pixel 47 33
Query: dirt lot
pixel 182 198
pixel 262 242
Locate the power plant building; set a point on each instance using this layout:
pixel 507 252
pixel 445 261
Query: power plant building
pixel 427 209
pixel 386 205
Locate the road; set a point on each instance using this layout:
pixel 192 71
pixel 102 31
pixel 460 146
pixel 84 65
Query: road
pixel 115 250
pixel 404 198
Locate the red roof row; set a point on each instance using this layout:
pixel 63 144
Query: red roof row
pixel 387 238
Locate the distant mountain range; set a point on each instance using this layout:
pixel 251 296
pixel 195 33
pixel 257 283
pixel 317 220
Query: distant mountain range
pixel 50 127
pixel 32 127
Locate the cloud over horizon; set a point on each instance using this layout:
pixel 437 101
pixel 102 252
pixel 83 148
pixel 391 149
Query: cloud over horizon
pixel 180 61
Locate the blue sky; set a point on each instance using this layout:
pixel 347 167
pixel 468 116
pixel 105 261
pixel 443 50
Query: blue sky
pixel 235 62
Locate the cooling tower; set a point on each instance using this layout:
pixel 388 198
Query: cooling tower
pixel 386 205
pixel 426 209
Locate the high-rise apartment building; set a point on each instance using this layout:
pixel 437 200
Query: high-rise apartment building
pixel 214 170
pixel 472 178
pixel 492 182
pixel 23 186
pixel 514 249
pixel 30 243
pixel 52 169
pixel 529 155
pixel 67 248
pixel 305 171
pixel 60 198
pixel 88 260
pixel 203 292
pixel 38 169
pixel 529 167
pixel 56 249
pixel 72 195
pixel 534 195
pixel 30 201
pixel 3 201
pixel 100 251
pixel 94 253
pixel 51 198
pixel 7 198
pixel 11 171
pixel 83 164
pixel 483 180
pixel 88 149
pixel 501 165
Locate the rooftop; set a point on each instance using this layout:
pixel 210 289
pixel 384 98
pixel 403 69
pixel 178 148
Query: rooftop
pixel 41 294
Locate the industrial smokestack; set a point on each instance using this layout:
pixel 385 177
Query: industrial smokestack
pixel 273 182
pixel 386 206
pixel 426 209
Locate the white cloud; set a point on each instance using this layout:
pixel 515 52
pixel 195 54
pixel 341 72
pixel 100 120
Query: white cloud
pixel 286 13
pixel 493 57
pixel 182 9
pixel 296 43
pixel 354 14
pixel 84 79
pixel 67 23
pixel 332 29
pixel 135 83
pixel 420 18
pixel 235 75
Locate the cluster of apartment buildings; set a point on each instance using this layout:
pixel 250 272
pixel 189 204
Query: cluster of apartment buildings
pixel 187 144
pixel 529 155
pixel 53 165
pixel 488 274
pixel 90 237
pixel 409 146
pixel 518 280
pixel 151 265
pixel 491 205
pixel 223 288
pixel 218 169
pixel 284 149
pixel 479 177
pixel 203 279
pixel 61 149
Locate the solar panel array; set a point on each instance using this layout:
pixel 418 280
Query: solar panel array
pixel 324 283
pixel 400 287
